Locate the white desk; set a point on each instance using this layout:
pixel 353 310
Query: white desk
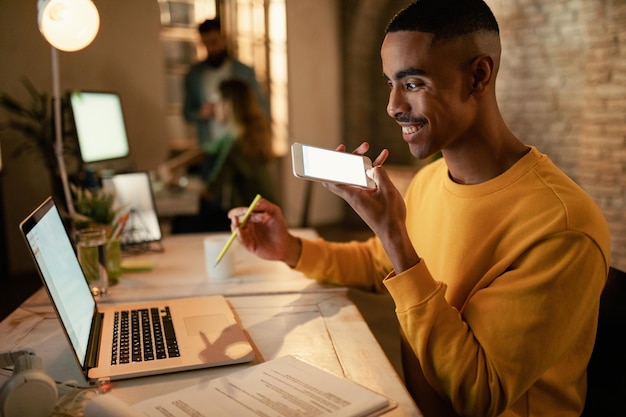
pixel 180 271
pixel 321 326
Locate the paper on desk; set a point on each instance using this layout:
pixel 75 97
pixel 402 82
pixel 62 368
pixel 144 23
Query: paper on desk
pixel 283 387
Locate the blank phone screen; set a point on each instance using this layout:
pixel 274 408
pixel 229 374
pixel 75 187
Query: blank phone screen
pixel 334 166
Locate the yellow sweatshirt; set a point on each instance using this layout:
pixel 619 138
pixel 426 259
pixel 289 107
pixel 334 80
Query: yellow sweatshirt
pixel 499 317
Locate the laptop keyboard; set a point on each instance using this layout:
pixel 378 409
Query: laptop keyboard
pixel 143 335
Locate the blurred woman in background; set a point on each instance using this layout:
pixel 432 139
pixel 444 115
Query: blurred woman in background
pixel 234 167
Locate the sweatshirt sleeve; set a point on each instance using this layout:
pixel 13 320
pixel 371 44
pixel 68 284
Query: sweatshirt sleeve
pixel 353 264
pixel 483 357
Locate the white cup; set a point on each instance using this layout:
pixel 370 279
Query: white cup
pixel 213 245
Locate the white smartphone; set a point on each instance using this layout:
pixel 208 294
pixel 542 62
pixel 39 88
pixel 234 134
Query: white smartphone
pixel 318 164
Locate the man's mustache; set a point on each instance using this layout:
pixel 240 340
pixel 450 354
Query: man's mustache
pixel 407 118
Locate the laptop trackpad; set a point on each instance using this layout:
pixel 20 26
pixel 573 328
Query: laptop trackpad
pixel 210 325
pixel 218 337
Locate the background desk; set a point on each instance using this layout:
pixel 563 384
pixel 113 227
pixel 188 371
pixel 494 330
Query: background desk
pixel 319 324
pixel 175 201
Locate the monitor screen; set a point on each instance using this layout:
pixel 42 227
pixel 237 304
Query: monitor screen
pixel 100 127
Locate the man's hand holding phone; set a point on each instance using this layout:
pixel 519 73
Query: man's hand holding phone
pixel 353 177
pixel 380 206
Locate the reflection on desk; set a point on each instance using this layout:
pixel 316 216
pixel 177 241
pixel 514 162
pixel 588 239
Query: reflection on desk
pixel 283 313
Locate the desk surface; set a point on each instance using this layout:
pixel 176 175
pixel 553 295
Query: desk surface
pixel 180 271
pixel 320 325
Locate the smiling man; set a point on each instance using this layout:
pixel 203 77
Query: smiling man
pixel 495 258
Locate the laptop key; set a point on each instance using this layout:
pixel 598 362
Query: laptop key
pixel 170 334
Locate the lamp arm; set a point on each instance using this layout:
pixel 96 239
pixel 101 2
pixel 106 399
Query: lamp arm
pixel 58 146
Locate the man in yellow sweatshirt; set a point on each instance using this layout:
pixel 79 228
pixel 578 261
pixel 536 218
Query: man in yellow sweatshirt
pixel 495 259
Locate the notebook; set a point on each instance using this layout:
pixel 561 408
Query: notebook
pixel 188 333
pixel 133 191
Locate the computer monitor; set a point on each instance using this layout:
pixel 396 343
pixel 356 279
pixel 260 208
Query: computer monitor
pixel 101 132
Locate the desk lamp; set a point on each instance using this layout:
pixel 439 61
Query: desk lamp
pixel 67 25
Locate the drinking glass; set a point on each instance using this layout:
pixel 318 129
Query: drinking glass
pixel 92 256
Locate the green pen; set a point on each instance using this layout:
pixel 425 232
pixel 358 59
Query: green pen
pixel 233 235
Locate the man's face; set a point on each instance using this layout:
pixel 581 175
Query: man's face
pixel 429 90
pixel 215 45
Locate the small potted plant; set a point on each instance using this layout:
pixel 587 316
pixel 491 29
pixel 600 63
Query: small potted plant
pixel 96 209
pixel 93 208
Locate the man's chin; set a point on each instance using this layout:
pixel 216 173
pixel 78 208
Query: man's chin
pixel 216 61
pixel 419 152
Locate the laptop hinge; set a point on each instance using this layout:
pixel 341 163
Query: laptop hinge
pixel 93 347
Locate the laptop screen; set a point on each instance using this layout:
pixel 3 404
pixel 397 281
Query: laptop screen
pixel 134 192
pixel 64 279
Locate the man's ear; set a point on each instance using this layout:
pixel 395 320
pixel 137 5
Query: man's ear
pixel 482 73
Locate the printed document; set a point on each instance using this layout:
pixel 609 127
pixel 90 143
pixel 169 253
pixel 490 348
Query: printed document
pixel 283 387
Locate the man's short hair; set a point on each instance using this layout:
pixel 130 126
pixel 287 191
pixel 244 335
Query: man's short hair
pixel 210 25
pixel 445 19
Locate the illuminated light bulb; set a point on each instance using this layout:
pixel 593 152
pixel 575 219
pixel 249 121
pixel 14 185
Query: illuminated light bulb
pixel 68 25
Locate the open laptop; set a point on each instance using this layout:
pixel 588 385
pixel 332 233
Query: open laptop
pixel 133 191
pixel 205 329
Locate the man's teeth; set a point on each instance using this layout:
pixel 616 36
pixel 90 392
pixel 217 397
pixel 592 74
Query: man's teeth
pixel 410 129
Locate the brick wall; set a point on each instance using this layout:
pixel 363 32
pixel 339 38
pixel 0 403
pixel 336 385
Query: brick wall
pixel 561 87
